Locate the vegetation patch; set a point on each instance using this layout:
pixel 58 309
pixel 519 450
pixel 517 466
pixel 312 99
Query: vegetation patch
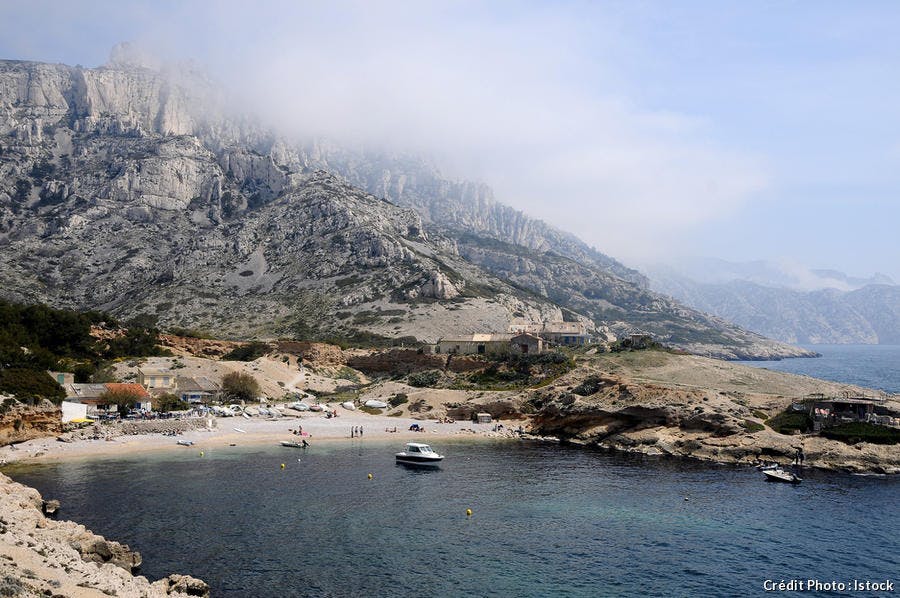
pixel 169 402
pixel 248 352
pixel 398 399
pixel 516 371
pixel 854 432
pixel 30 386
pixel 239 386
pixel 790 422
pixel 590 385
pixel 752 426
pixel 426 379
pixel 371 410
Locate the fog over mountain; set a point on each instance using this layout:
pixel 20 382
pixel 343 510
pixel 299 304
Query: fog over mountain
pixel 137 190
pixel 786 301
pixel 631 125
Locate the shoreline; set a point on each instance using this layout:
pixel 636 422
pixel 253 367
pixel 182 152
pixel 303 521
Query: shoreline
pixel 230 432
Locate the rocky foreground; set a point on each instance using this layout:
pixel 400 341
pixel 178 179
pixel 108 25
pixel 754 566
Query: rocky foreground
pixel 40 556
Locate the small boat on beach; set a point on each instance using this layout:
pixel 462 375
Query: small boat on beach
pixel 293 444
pixel 186 442
pixel 417 453
pixel 375 404
pixel 780 475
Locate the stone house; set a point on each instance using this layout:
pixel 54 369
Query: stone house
pixel 153 379
pixel 490 344
pixel 557 333
pixel 197 390
pixel 526 344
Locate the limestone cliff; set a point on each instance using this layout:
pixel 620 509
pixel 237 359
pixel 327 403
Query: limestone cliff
pixel 135 189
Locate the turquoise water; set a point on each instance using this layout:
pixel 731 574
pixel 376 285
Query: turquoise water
pixel 872 366
pixel 547 520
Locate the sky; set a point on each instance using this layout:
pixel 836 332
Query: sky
pixel 655 131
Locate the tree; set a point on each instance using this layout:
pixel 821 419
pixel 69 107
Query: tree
pixel 122 398
pixel 240 386
pixel 30 386
pixel 168 402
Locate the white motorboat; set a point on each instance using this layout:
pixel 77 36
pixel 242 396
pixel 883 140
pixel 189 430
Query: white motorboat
pixel 298 406
pixel 348 405
pixel 186 442
pixel 780 475
pixel 375 404
pixel 419 454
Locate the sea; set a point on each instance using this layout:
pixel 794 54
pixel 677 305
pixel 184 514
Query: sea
pixel 546 520
pixel 871 366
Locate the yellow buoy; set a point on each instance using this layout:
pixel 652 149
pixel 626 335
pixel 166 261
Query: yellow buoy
pixel 468 512
pixel 370 476
pixel 201 453
pixel 282 466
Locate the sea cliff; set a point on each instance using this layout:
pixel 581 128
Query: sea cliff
pixel 40 556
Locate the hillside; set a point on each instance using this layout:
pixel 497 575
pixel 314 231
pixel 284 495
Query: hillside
pixel 866 314
pixel 135 191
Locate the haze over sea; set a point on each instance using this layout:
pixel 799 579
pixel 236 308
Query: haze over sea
pixel 872 366
pixel 547 520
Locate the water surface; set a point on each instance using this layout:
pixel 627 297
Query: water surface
pixel 872 366
pixel 547 521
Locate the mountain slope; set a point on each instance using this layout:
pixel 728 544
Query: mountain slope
pixel 133 190
pixel 866 315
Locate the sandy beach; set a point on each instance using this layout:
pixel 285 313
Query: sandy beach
pixel 238 431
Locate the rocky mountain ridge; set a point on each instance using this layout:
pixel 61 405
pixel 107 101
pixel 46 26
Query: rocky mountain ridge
pixel 133 190
pixel 866 315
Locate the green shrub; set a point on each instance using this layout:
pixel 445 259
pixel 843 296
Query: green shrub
pixel 248 352
pixel 170 402
pixel 398 399
pixel 787 422
pixel 424 379
pixel 752 426
pixel 589 386
pixel 854 432
pixel 30 386
pixel 760 415
pixel 240 386
pixel 371 410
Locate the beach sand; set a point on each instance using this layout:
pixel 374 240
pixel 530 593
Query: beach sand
pixel 240 431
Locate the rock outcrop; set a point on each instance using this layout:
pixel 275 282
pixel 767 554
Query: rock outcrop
pixel 689 407
pixel 20 422
pixel 41 556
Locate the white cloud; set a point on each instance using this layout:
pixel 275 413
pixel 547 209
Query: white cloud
pixel 525 97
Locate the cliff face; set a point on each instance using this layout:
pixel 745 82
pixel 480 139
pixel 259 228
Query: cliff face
pixel 20 422
pixel 42 556
pixel 133 190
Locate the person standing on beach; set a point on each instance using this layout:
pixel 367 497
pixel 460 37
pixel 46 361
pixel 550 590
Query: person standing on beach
pixel 360 431
pixel 352 431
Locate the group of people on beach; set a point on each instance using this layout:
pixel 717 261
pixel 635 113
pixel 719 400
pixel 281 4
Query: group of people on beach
pixel 356 432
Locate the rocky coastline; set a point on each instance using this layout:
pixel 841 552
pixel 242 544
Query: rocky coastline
pixel 42 556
